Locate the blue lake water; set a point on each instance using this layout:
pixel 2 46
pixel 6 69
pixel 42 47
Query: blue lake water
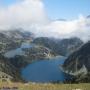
pixel 18 51
pixel 45 71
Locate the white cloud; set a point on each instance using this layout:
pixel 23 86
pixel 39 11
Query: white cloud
pixel 31 15
pixel 79 27
pixel 25 12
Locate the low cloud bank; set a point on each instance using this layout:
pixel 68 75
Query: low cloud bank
pixel 31 15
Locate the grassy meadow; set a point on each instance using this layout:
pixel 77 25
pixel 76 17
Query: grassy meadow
pixel 34 86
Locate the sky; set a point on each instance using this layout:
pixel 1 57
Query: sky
pixel 67 9
pixel 62 9
pixel 45 17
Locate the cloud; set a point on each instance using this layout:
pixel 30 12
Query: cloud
pixel 25 12
pixel 31 15
pixel 79 27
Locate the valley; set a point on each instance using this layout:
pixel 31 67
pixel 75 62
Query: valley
pixel 39 59
pixel 44 44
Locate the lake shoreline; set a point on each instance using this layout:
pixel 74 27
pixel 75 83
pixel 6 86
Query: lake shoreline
pixel 45 71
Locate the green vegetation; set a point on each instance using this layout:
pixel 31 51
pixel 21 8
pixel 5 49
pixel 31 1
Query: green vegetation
pixel 33 86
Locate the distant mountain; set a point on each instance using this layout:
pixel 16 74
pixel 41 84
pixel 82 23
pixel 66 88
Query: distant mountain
pixel 60 19
pixel 58 46
pixel 88 16
pixel 17 34
pixel 11 39
pixel 78 63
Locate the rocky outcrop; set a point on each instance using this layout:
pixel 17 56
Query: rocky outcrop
pixel 78 63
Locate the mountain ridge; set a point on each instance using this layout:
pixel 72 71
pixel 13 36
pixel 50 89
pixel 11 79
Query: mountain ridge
pixel 78 63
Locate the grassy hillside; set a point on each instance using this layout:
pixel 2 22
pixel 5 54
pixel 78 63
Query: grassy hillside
pixel 33 86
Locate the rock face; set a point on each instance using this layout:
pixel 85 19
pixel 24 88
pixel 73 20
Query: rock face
pixel 78 63
pixel 60 47
pixel 9 70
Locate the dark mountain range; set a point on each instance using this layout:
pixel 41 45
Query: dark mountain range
pixel 78 63
pixel 60 47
